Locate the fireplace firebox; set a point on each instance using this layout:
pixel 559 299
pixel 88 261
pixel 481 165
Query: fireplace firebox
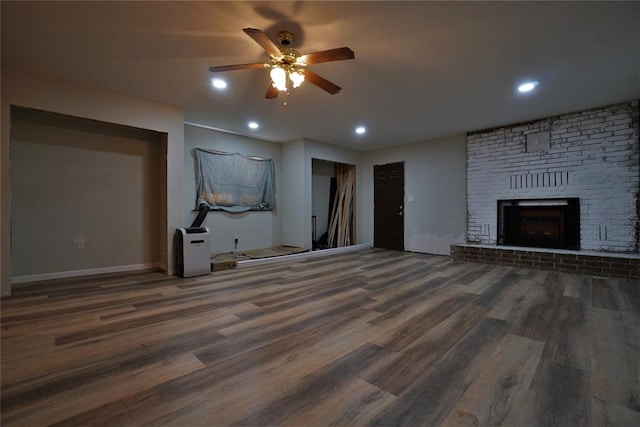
pixel 542 223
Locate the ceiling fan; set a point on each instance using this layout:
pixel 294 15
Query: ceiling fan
pixel 288 65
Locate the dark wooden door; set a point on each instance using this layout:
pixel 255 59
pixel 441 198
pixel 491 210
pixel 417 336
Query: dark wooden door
pixel 388 210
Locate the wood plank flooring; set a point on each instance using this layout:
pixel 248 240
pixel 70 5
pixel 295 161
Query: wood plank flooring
pixel 365 338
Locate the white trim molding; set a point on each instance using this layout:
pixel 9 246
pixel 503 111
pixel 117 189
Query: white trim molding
pixel 323 252
pixel 87 272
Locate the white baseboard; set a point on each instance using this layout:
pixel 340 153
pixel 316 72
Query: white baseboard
pixel 87 272
pixel 323 252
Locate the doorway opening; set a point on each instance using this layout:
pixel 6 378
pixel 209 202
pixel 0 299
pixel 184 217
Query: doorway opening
pixel 333 217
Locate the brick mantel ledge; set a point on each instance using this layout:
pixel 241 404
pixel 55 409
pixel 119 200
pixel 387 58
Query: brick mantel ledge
pixel 600 264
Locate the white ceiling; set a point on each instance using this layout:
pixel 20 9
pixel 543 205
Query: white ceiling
pixel 422 70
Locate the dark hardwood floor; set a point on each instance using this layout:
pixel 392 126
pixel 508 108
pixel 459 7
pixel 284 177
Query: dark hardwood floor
pixel 364 338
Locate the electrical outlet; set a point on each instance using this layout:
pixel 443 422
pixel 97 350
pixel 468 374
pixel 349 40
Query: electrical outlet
pixel 80 245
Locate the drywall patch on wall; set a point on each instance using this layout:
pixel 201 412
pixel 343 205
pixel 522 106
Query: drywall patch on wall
pixel 432 243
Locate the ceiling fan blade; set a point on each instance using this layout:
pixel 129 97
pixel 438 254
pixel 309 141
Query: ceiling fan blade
pixel 338 54
pixel 264 41
pixel 235 67
pixel 321 82
pixel 272 92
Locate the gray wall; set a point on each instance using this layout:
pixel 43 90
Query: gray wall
pixel 85 195
pixel 435 176
pixel 292 203
pixel 294 182
pixel 255 229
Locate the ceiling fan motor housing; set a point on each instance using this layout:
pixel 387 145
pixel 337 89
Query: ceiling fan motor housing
pixel 289 56
pixel 285 37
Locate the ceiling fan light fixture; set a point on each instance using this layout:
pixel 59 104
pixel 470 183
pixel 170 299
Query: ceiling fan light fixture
pixel 279 78
pixel 297 77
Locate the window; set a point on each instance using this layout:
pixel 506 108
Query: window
pixel 234 182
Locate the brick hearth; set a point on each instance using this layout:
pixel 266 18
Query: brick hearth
pixel 576 262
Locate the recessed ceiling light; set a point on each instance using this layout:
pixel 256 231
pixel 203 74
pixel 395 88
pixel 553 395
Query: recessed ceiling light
pixel 527 87
pixel 253 125
pixel 218 83
pixel 361 130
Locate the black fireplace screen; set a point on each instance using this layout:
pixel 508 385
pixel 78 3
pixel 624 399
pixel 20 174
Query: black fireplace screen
pixel 542 223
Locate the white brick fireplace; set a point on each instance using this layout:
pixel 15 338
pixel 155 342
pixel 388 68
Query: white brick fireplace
pixel 591 155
